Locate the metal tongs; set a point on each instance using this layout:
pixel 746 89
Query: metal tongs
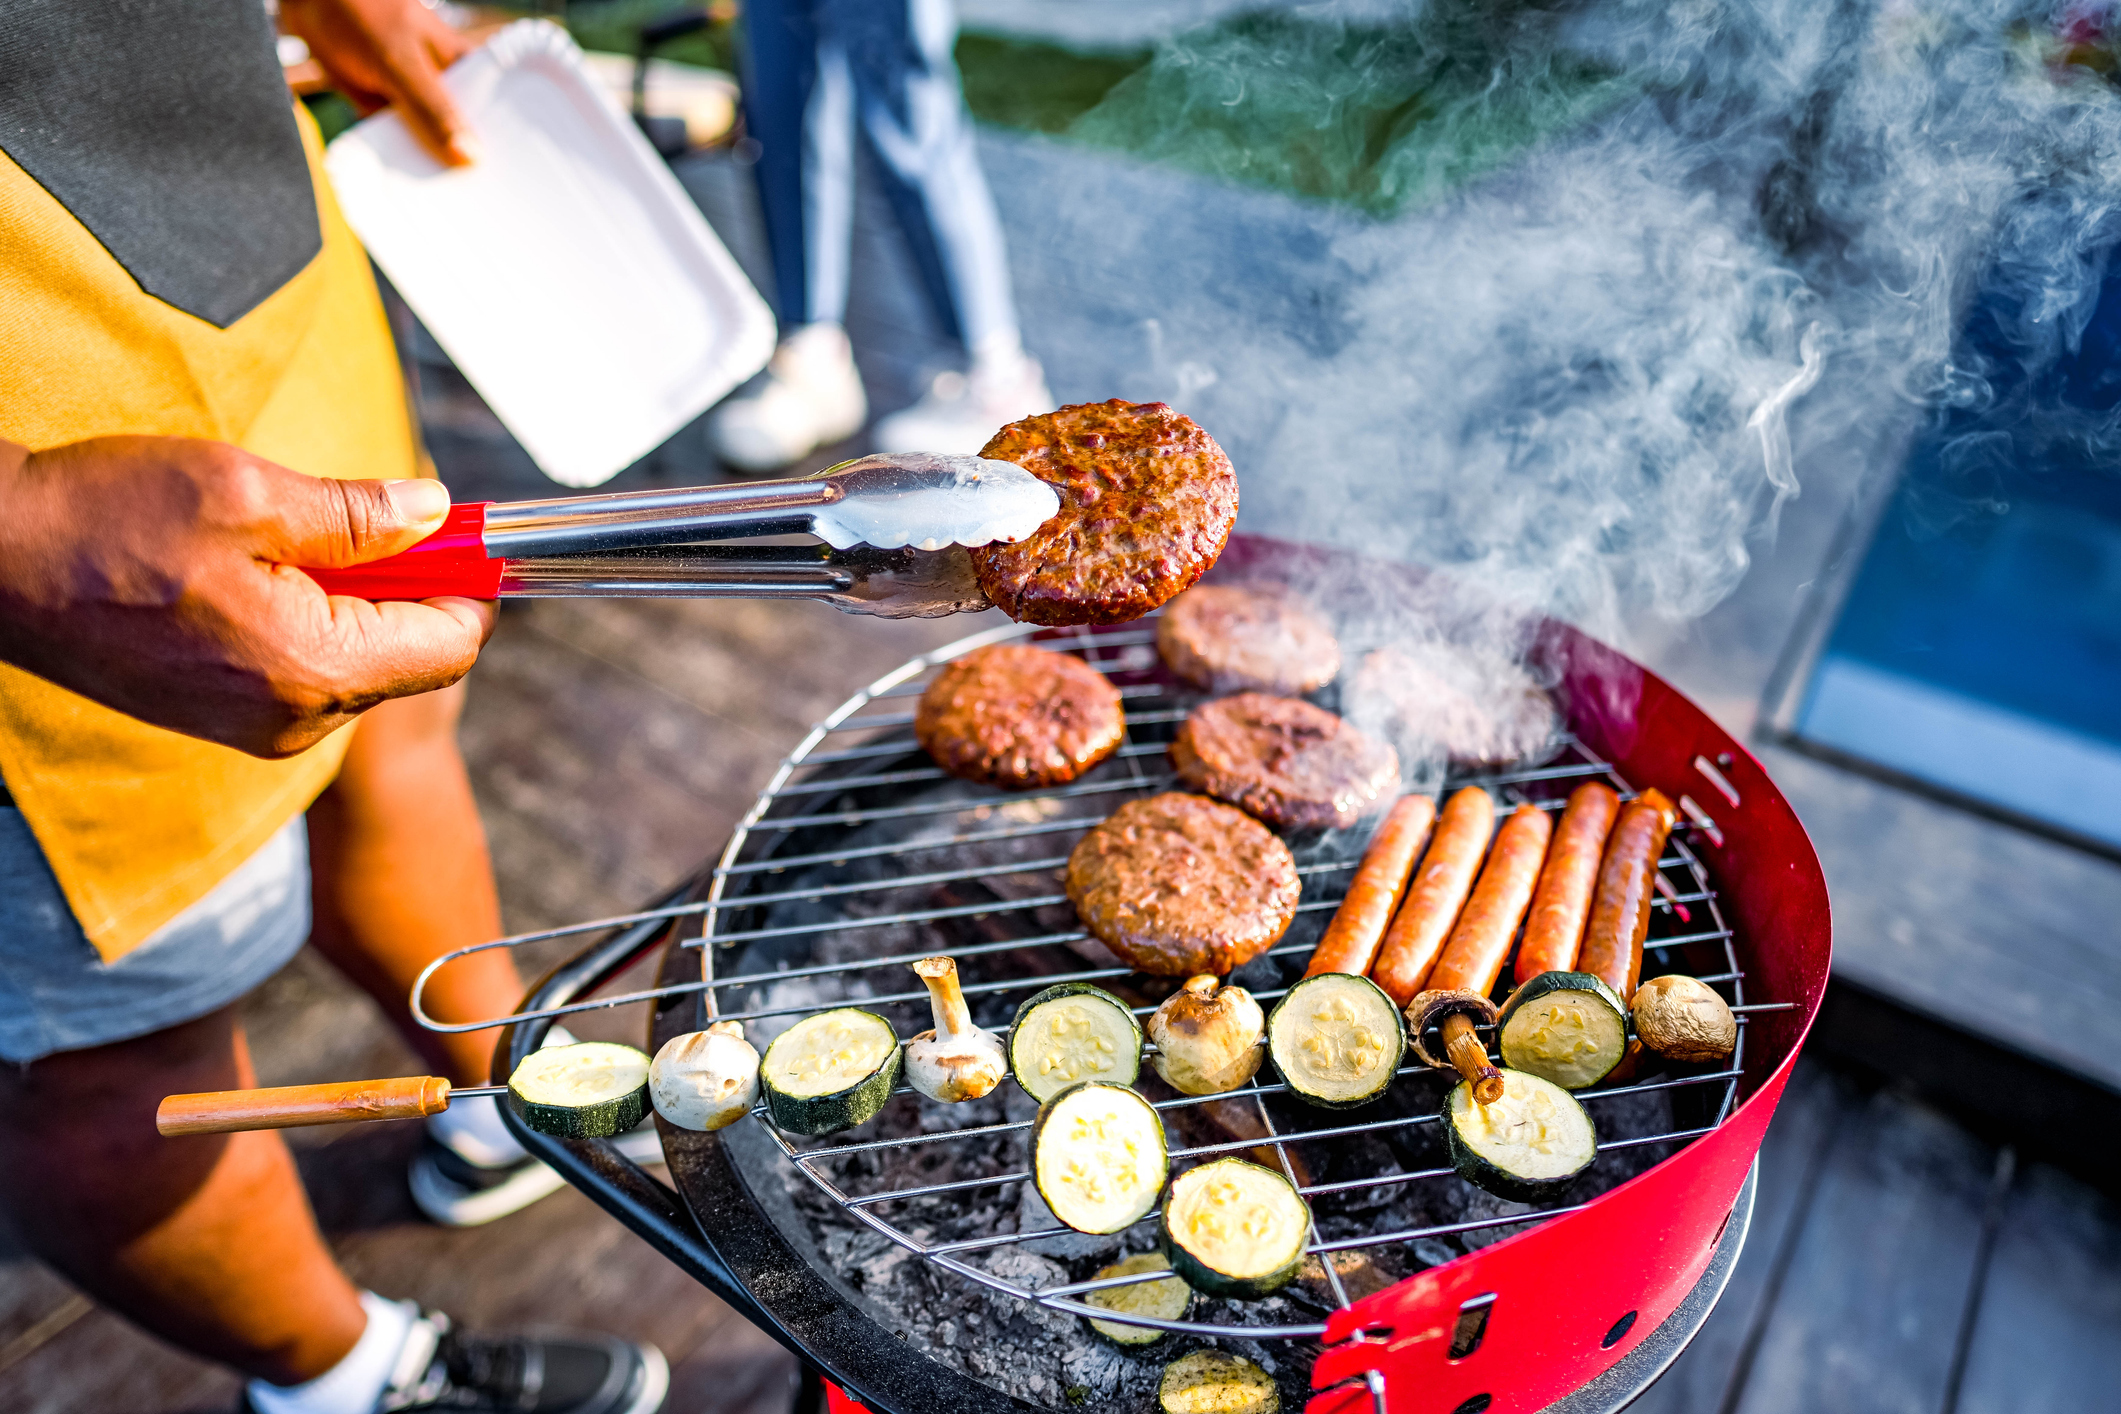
pixel 895 530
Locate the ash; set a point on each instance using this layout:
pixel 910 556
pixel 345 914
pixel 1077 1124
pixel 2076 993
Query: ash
pixel 1053 1359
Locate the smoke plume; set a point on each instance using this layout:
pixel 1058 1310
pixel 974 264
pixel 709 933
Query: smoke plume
pixel 1573 299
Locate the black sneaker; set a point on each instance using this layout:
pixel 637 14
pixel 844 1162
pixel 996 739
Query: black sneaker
pixel 562 1372
pixel 443 1370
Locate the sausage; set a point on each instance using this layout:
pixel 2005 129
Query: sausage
pixel 1480 944
pixel 1438 888
pixel 1627 883
pixel 1351 939
pixel 1553 931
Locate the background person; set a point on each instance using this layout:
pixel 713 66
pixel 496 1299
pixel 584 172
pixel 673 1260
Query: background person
pixel 816 71
pixel 183 316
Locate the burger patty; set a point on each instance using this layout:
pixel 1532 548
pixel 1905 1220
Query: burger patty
pixel 1147 502
pixel 1293 765
pixel 1013 716
pixel 1178 885
pixel 1258 639
pixel 1476 706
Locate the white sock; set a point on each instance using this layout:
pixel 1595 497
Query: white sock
pixel 355 1385
pixel 473 1128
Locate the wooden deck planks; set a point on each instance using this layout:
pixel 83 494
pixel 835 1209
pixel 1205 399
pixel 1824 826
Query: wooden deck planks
pixel 1812 1112
pixel 1869 1311
pixel 1993 930
pixel 617 742
pixel 2047 1330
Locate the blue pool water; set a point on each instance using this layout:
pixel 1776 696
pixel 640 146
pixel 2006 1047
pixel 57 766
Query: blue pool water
pixel 1980 646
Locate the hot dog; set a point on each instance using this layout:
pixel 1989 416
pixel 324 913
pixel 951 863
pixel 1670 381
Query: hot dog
pixel 1620 909
pixel 1480 944
pixel 1351 939
pixel 1439 887
pixel 1553 930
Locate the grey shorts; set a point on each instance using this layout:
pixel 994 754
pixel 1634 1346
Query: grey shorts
pixel 58 994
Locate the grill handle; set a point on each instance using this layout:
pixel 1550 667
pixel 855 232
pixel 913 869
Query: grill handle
pixel 289 1106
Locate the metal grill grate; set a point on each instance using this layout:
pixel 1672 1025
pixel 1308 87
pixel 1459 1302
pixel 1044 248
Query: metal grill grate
pixel 854 799
pixel 851 764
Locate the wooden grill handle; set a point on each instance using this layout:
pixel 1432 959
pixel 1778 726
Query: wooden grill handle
pixel 287 1106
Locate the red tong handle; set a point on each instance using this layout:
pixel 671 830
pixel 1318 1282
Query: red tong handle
pixel 450 561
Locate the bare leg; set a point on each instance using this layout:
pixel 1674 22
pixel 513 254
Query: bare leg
pixel 401 876
pixel 208 1242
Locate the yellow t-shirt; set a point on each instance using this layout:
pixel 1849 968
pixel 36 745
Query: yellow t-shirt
pixel 139 822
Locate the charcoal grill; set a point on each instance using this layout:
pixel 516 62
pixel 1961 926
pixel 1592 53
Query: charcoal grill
pixel 860 856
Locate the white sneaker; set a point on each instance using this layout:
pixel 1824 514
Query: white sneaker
pixel 809 397
pixel 961 411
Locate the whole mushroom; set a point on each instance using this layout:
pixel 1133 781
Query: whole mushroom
pixel 1207 1037
pixel 705 1079
pixel 1683 1018
pixel 955 1061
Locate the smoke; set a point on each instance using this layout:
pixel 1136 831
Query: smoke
pixel 1770 420
pixel 1569 299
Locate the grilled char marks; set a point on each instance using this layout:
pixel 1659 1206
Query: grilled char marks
pixel 1147 503
pixel 1251 639
pixel 1178 885
pixel 1293 765
pixel 1019 717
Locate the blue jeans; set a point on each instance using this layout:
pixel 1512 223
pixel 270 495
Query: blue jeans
pixel 815 69
pixel 56 994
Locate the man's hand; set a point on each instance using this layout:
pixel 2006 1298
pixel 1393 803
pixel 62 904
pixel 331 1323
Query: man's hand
pixel 389 53
pixel 155 575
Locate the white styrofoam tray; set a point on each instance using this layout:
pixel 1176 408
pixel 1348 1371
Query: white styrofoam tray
pixel 567 274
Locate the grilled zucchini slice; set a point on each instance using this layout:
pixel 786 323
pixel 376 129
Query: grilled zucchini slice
pixel 1337 1040
pixel 1164 1300
pixel 1526 1147
pixel 1234 1229
pixel 1070 1034
pixel 589 1090
pixel 1098 1157
pixel 1567 1027
pixel 1215 1382
pixel 830 1072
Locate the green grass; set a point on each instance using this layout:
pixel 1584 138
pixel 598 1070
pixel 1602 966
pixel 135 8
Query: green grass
pixel 614 27
pixel 333 113
pixel 1035 86
pixel 1379 117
